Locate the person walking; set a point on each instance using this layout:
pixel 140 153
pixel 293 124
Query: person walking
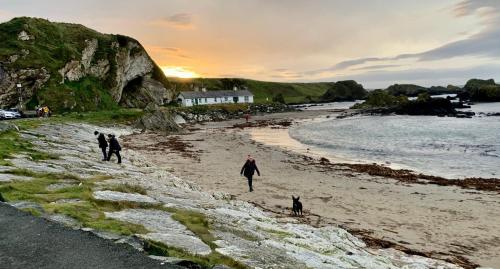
pixel 103 144
pixel 114 147
pixel 248 170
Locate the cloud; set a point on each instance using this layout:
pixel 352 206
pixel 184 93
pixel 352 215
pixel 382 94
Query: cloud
pixel 483 44
pixel 377 67
pixel 179 20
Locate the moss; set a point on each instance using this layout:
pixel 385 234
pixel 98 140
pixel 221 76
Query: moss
pixel 127 188
pixel 195 222
pixel 215 258
pixel 33 211
pixel 91 216
pixel 11 143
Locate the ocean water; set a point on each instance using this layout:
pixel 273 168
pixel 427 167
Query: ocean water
pixel 447 147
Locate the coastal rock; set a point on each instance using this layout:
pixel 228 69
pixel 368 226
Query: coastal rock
pixel 106 65
pixel 158 120
pixel 243 231
pixel 164 229
pixel 121 196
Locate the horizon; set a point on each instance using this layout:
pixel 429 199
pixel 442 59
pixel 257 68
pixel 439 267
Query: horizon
pixel 425 43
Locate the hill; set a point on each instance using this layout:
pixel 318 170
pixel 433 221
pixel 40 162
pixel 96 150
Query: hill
pixel 478 90
pixel 411 90
pixel 264 91
pixel 348 90
pixel 73 68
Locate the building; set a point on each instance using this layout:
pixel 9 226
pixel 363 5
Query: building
pixel 195 98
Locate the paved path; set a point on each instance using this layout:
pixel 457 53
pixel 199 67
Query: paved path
pixel 30 242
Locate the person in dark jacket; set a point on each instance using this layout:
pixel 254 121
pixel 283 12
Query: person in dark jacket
pixel 114 147
pixel 103 144
pixel 248 171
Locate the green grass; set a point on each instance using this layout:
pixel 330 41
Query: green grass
pixel 89 212
pixel 11 143
pixel 197 223
pixel 56 44
pixel 127 188
pixel 160 249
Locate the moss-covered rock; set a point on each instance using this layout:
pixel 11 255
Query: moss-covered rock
pixel 70 67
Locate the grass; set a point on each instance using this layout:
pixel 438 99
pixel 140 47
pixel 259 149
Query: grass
pixel 89 212
pixel 160 249
pixel 127 188
pixel 11 143
pixel 56 44
pixel 197 223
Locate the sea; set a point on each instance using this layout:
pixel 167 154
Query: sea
pixel 443 146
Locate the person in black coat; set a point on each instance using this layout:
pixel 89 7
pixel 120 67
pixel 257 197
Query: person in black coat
pixel 103 144
pixel 114 147
pixel 248 171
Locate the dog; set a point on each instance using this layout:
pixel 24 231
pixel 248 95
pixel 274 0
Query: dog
pixel 297 206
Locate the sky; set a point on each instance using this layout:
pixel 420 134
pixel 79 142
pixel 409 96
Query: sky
pixel 377 42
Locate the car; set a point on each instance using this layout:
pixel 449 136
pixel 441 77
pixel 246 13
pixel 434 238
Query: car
pixel 16 112
pixel 5 114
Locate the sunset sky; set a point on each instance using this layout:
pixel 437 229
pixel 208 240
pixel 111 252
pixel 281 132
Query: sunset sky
pixel 377 42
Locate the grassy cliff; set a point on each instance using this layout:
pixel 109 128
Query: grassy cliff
pixel 33 51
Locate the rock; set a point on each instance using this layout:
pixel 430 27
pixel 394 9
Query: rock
pixel 163 229
pixel 121 196
pixel 1 198
pixel 133 241
pixel 27 205
pixel 32 80
pixel 65 220
pixel 24 36
pixel 9 178
pixel 221 266
pixel 158 120
pixel 115 63
pixel 60 186
pixel 7 127
pixel 177 262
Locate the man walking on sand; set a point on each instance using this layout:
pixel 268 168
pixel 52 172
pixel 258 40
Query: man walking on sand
pixel 114 147
pixel 248 170
pixel 103 144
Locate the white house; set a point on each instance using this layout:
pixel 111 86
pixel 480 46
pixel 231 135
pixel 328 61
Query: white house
pixel 194 98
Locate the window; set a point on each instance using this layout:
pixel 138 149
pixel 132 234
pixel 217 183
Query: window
pixel 247 99
pixel 225 99
pixel 216 99
pixel 206 101
pixel 199 100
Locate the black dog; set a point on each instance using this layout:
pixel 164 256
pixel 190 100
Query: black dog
pixel 297 206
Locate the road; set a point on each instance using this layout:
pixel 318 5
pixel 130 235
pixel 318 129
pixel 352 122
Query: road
pixel 30 242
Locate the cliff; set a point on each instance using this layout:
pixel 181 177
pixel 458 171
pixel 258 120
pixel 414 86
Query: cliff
pixel 73 68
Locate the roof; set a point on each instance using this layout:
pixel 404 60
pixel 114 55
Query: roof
pixel 213 94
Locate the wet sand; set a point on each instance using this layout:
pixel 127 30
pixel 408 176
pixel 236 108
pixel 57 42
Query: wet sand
pixel 441 221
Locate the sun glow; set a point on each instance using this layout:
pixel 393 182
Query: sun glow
pixel 179 72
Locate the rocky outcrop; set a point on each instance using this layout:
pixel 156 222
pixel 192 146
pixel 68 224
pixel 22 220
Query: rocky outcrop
pixel 158 120
pixel 89 65
pixel 31 80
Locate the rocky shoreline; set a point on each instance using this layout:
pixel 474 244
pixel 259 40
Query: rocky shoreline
pixel 161 209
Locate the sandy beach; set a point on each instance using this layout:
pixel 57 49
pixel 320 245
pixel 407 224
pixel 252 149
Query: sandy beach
pixel 441 221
